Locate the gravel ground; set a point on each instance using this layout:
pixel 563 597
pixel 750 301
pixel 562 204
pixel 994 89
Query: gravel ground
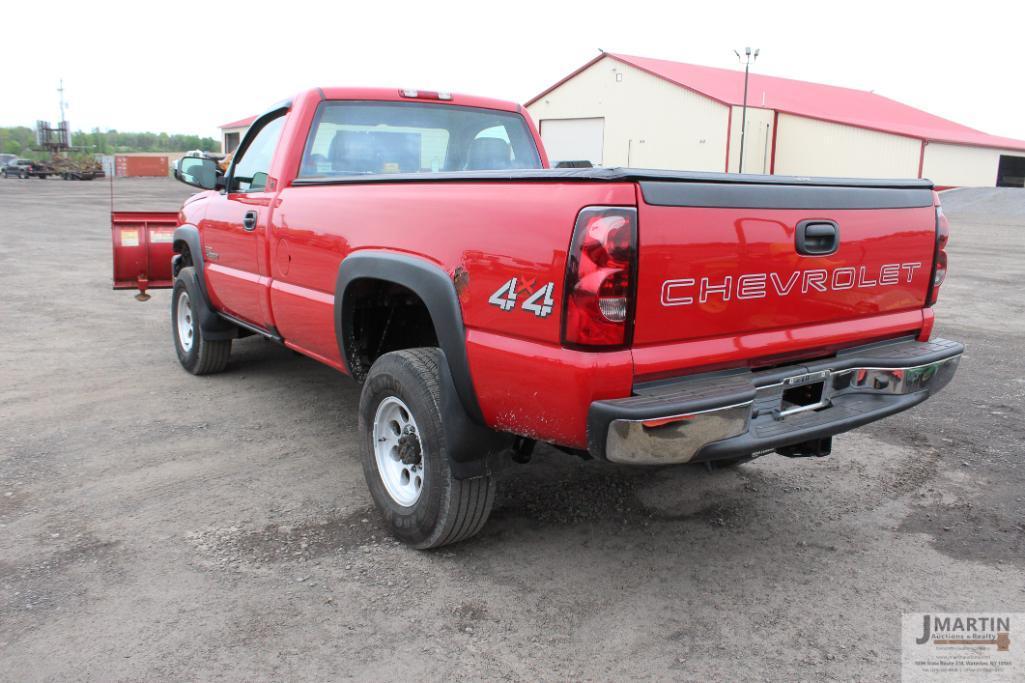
pixel 154 525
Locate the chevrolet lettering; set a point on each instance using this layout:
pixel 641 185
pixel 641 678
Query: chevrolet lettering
pixel 684 291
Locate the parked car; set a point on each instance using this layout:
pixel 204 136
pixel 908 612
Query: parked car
pixel 6 159
pixel 419 243
pixel 26 168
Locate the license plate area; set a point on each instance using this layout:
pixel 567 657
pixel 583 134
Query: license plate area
pixel 803 393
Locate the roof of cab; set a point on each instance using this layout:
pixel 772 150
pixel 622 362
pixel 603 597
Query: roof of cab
pixel 393 95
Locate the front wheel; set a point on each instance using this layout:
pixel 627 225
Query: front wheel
pixel 405 454
pixel 198 355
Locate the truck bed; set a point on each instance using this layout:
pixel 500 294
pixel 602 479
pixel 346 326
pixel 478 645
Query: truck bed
pixel 622 174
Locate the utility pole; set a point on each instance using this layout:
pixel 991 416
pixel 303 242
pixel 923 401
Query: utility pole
pixel 746 61
pixel 63 134
pixel 60 91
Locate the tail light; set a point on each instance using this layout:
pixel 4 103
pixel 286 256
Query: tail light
pixel 939 266
pixel 600 278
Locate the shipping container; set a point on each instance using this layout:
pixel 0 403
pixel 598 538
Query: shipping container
pixel 136 166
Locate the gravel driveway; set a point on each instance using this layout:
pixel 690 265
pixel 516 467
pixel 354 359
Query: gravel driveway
pixel 155 525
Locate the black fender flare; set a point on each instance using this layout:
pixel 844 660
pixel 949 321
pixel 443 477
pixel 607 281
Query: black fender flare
pixel 435 288
pixel 187 236
pixel 471 445
pixel 213 325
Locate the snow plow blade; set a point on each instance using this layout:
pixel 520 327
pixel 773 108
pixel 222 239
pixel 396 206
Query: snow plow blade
pixel 143 247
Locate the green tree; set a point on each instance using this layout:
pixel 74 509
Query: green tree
pixel 21 140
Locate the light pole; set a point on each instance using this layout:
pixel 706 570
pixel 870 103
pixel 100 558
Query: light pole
pixel 746 61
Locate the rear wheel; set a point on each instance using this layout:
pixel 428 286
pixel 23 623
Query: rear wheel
pixel 198 355
pixel 405 455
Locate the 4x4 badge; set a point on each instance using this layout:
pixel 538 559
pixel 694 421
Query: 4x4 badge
pixel 540 301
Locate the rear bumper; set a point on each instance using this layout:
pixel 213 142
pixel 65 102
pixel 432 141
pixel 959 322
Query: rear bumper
pixel 734 413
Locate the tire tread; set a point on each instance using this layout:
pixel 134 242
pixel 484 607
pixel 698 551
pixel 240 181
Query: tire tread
pixel 472 498
pixel 213 356
pixel 469 501
pixel 210 356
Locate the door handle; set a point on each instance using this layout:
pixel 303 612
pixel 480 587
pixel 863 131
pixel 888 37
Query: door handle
pixel 249 221
pixel 817 237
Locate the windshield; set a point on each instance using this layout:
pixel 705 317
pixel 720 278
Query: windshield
pixel 362 138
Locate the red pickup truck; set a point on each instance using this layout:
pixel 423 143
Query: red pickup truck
pixel 418 242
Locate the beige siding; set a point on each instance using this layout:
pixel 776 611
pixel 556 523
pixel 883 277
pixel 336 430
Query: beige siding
pixel 962 166
pixel 649 122
pixel 757 146
pixel 810 147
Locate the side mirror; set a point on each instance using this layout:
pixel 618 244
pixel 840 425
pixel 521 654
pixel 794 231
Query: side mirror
pixel 198 172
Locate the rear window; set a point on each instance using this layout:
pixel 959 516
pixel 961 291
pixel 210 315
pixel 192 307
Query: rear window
pixel 364 138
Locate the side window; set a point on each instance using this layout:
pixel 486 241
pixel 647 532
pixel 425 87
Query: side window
pixel 251 168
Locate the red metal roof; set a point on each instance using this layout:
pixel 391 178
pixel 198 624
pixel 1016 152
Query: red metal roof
pixel 814 100
pixel 241 123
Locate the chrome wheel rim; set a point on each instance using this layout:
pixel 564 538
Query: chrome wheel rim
pixel 186 329
pixel 398 451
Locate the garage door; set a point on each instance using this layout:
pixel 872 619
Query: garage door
pixel 1011 171
pixel 573 139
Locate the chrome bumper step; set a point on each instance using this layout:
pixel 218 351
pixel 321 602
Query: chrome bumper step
pixel 731 413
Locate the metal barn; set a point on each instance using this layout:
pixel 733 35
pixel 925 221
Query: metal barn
pixel 621 110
